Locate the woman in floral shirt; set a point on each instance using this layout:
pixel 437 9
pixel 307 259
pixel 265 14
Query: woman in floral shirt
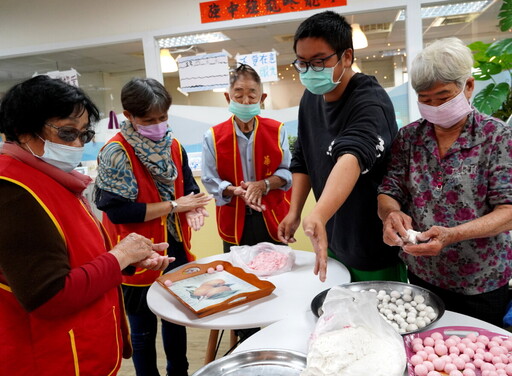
pixel 450 178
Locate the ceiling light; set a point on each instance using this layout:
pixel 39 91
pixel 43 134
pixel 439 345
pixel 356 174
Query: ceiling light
pixel 358 38
pixel 188 40
pixel 167 62
pixel 449 9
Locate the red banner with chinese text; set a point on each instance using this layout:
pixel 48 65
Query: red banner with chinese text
pixel 224 10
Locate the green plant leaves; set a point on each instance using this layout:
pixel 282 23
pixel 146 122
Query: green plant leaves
pixel 491 98
pixel 500 47
pixel 505 15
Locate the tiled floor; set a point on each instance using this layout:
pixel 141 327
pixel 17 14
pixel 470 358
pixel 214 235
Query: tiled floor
pixel 197 341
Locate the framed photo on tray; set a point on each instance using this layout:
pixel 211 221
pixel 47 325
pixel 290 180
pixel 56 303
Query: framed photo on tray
pixel 205 292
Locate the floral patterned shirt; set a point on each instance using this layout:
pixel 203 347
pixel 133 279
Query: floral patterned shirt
pixel 472 178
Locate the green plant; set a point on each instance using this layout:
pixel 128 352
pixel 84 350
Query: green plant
pixel 491 59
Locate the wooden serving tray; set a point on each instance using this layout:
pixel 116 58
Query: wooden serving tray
pixel 208 293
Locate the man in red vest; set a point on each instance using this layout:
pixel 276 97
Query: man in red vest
pixel 245 166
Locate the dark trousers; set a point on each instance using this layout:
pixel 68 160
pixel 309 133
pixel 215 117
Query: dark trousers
pixel 490 306
pixel 143 327
pixel 255 230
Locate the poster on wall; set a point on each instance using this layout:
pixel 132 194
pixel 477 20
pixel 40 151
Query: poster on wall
pixel 265 63
pixel 204 72
pixel 69 76
pixel 224 10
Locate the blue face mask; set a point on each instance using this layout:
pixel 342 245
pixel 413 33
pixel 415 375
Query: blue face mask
pixel 320 82
pixel 64 157
pixel 244 112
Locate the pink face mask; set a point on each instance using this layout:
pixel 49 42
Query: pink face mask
pixel 154 132
pixel 447 114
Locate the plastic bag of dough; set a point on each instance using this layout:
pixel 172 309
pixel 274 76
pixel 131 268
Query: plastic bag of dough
pixel 352 339
pixel 263 259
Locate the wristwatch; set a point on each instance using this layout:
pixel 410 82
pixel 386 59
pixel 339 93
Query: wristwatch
pixel 174 206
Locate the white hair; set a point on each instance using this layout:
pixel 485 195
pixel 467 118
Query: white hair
pixel 446 60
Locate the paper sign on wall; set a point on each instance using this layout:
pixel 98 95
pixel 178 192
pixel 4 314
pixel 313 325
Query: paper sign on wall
pixel 69 76
pixel 204 72
pixel 265 63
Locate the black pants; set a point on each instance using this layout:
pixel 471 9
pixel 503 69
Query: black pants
pixel 255 230
pixel 490 306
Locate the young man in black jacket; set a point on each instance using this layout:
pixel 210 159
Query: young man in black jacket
pixel 346 127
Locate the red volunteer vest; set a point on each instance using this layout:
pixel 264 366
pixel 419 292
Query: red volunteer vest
pixel 88 342
pixel 156 229
pixel 267 156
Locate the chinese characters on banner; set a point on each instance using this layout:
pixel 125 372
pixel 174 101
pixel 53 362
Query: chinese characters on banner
pixel 264 63
pixel 204 72
pixel 69 76
pixel 224 10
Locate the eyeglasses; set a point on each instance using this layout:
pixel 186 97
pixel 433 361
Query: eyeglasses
pixel 70 134
pixel 317 65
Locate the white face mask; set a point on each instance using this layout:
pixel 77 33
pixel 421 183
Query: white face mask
pixel 64 157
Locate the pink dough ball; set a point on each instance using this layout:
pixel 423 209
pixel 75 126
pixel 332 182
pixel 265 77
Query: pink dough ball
pixel 431 357
pixel 480 345
pixel 459 363
pixel 428 341
pixel 441 349
pixel 507 344
pixel 450 342
pixel 469 352
pixel 457 339
pixel 468 372
pixel 508 369
pixel 447 358
pixel 488 357
pixel 488 367
pixel 504 358
pixel 478 363
pixel 219 267
pixel 465 357
pixel 497 360
pixel 501 372
pixel 492 344
pixel 168 282
pixel 455 372
pixel 421 370
pixel 480 351
pixel 454 350
pixel 497 339
pixel 470 366
pixel 423 354
pixel 429 350
pixel 429 365
pixel 436 335
pixel 434 373
pixel 472 337
pixel 473 346
pixel 417 347
pixel 417 340
pixel 449 367
pixel 439 364
pixel 466 341
pixel 483 339
pixel 461 346
pixel 210 270
pixel 416 359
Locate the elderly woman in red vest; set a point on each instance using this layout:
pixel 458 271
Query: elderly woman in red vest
pixel 145 185
pixel 61 311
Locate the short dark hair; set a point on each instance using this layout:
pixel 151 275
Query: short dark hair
pixel 27 106
pixel 330 26
pixel 141 96
pixel 244 70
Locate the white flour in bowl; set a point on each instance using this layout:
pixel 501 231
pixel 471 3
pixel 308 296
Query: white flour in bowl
pixel 353 351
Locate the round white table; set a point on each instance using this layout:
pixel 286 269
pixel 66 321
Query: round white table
pixel 293 334
pixel 292 296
